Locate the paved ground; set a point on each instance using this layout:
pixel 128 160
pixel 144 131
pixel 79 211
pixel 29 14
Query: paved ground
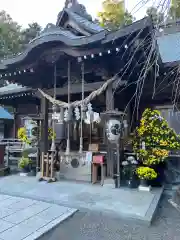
pixel 28 219
pixel 121 202
pixel 91 226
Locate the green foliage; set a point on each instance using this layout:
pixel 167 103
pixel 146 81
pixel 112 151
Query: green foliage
pixel 12 37
pixel 32 31
pixel 114 15
pixel 174 12
pixel 156 16
pixel 24 162
pixel 159 17
pixel 158 137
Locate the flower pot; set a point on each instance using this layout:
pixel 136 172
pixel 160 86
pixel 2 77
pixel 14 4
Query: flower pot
pixel 158 182
pixel 144 186
pixel 26 169
pixel 144 183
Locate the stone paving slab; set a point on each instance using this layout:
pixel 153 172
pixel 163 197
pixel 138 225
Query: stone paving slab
pixel 126 203
pixel 23 218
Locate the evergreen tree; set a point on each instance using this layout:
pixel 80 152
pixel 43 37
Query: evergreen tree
pixel 113 15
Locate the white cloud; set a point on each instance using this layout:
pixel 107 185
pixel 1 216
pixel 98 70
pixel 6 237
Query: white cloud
pixel 44 12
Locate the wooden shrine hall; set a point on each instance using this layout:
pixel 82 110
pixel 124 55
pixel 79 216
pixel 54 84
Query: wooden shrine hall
pixel 74 68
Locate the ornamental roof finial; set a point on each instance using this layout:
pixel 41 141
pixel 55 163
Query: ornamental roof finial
pixel 70 3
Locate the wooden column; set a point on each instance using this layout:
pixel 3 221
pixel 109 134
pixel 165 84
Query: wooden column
pixel 109 106
pixel 15 127
pixel 109 98
pixel 44 125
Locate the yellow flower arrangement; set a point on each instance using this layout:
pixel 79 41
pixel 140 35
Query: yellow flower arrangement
pixel 146 173
pixel 51 134
pixel 22 135
pixel 159 138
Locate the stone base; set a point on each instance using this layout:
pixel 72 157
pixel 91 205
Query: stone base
pixel 143 188
pixel 22 174
pixel 109 182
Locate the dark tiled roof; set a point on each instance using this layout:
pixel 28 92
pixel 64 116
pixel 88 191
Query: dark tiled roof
pixel 12 89
pixel 86 24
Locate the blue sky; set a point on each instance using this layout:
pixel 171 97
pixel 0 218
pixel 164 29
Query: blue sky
pixel 44 12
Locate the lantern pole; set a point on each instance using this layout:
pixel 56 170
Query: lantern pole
pixel 68 123
pixel 54 108
pixel 82 109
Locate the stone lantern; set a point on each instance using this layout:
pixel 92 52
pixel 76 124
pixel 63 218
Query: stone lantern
pixel 114 129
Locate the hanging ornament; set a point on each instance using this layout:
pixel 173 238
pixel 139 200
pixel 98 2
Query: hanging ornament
pixel 89 107
pixel 54 108
pixel 77 113
pixel 61 116
pixel 70 114
pixel 90 112
pixel 83 112
pixel 83 115
pixel 66 115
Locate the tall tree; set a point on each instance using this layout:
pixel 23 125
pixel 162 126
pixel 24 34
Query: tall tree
pixel 174 12
pixel 32 31
pixel 114 14
pixel 10 35
pixel 156 16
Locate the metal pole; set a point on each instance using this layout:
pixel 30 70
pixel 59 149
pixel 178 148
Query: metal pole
pixel 68 126
pixel 53 120
pixel 118 166
pixel 82 109
pixel 38 157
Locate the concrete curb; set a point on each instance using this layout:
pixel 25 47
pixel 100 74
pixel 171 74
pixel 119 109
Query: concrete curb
pixel 146 220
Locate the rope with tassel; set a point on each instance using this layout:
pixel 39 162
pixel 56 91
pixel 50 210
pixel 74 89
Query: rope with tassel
pixel 87 100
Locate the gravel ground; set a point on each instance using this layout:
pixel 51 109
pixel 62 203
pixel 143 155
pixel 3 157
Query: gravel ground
pixel 93 226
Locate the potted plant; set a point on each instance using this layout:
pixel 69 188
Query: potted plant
pixel 153 140
pixel 25 164
pixel 129 171
pixel 145 174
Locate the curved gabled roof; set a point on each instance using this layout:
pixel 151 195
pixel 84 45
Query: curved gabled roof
pixel 73 31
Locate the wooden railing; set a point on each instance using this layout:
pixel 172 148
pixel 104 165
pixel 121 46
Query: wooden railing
pixel 13 152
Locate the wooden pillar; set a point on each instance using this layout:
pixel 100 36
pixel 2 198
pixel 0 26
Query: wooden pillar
pixel 15 124
pixel 110 152
pixel 109 98
pixel 44 125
